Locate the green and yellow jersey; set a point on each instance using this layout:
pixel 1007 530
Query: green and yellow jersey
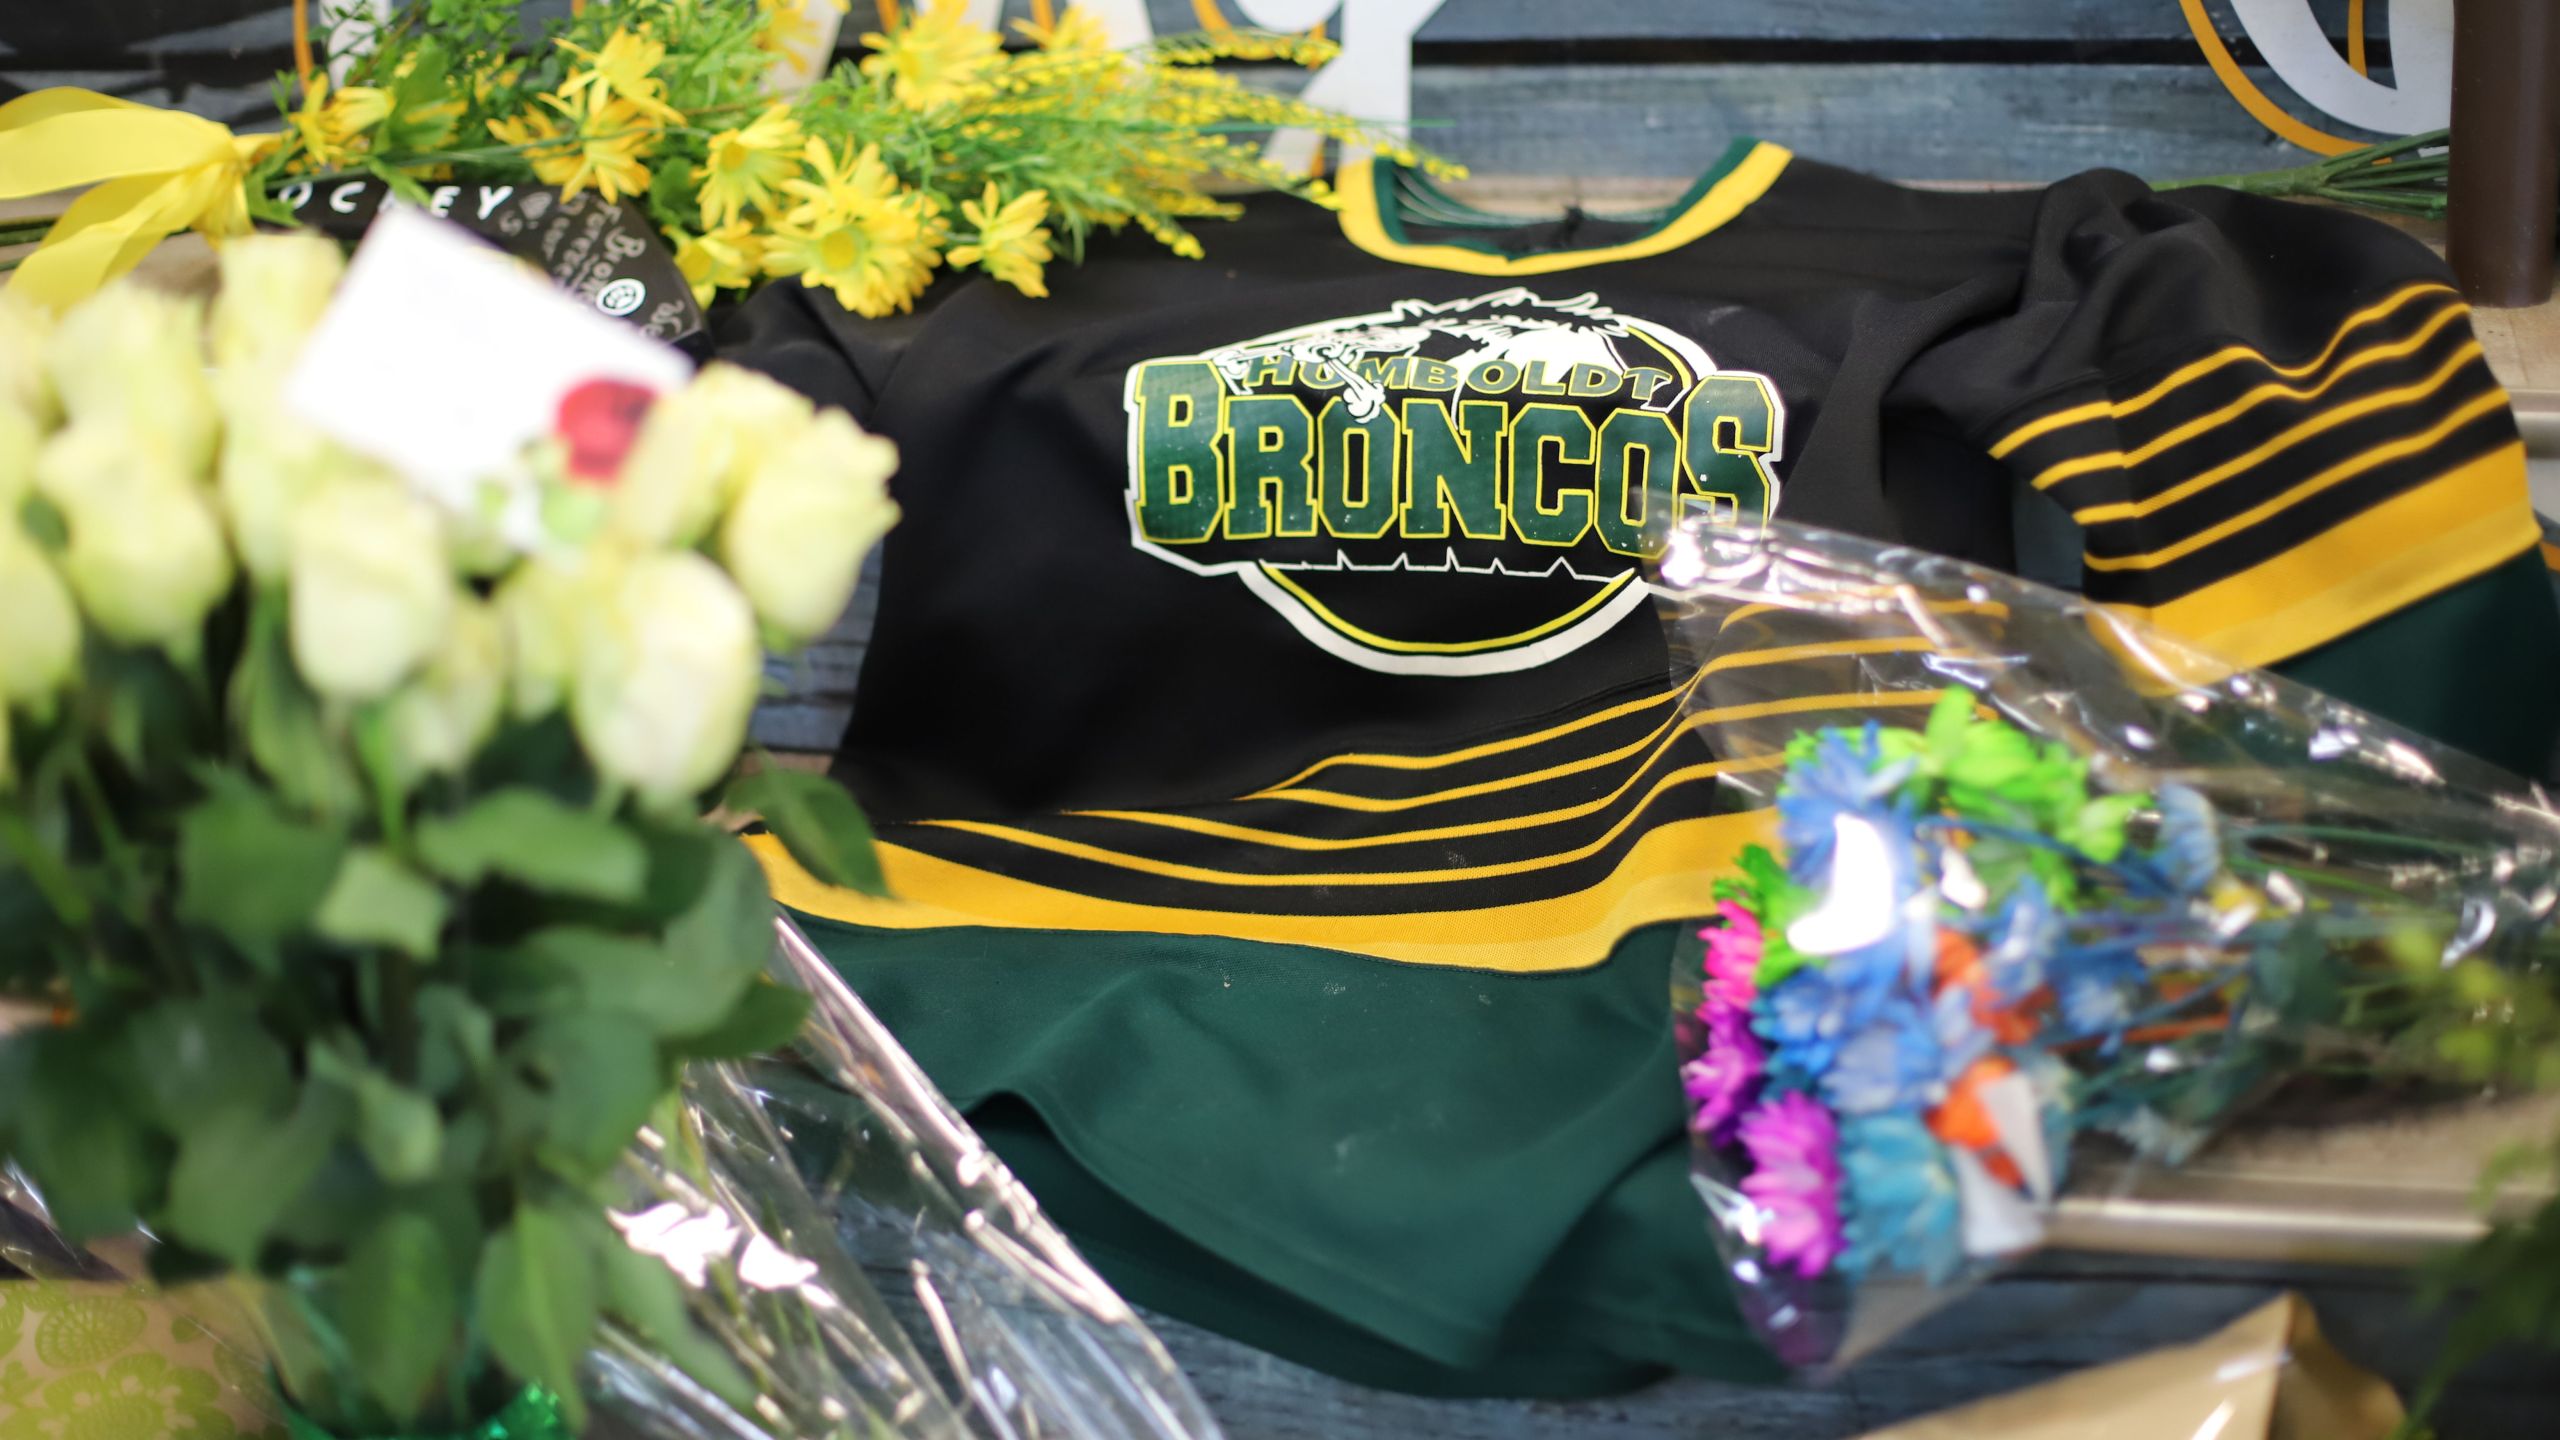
pixel 1290 799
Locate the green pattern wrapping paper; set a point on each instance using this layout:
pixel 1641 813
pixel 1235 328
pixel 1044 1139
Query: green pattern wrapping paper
pixel 109 1362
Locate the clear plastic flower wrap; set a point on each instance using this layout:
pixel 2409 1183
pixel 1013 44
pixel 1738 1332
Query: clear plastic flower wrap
pixel 740 1310
pixel 2042 882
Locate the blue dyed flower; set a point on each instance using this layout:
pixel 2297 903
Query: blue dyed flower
pixel 2026 931
pixel 1906 1057
pixel 1902 1210
pixel 2189 850
pixel 1808 1016
pixel 2098 988
pixel 1843 775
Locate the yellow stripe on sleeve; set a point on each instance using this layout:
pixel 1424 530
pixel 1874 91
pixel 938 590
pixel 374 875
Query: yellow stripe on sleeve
pixel 2227 356
pixel 2458 525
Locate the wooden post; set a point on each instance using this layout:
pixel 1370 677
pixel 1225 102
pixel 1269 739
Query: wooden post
pixel 2505 181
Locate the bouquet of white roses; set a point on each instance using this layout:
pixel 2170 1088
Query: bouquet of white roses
pixel 349 827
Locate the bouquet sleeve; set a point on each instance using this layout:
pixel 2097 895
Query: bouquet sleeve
pixel 2043 887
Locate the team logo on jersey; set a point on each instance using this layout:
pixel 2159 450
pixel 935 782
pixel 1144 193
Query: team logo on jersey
pixel 1467 487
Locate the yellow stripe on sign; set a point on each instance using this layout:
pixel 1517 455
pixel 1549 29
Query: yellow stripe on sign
pixel 2227 356
pixel 2467 521
pixel 1286 840
pixel 2236 80
pixel 2274 390
pixel 1598 598
pixel 1358 190
pixel 2336 474
pixel 1669 874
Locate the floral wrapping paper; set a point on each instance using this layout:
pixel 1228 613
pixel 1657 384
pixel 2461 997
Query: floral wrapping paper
pixel 109 1362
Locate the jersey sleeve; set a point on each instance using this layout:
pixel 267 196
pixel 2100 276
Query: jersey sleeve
pixel 2271 423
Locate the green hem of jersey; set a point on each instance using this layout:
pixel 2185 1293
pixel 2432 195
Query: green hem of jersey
pixel 1384 173
pixel 1453 1340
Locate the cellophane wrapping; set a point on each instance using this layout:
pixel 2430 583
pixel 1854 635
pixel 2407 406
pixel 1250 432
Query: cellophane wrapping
pixel 2042 884
pixel 908 1286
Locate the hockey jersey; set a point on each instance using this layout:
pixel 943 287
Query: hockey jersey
pixel 1289 798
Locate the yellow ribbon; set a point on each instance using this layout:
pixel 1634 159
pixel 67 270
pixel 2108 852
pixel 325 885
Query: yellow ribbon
pixel 150 173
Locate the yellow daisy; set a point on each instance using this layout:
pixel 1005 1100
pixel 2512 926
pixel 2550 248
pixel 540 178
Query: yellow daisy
pixel 614 137
pixel 1076 31
pixel 725 258
pixel 787 27
pixel 554 159
pixel 332 123
pixel 622 68
pixel 853 185
pixel 935 58
pixel 744 165
pixel 876 262
pixel 1013 238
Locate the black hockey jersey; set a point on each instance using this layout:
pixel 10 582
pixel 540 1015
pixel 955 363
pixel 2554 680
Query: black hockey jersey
pixel 1279 764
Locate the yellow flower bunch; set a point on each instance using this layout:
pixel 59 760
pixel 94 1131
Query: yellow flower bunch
pixel 937 149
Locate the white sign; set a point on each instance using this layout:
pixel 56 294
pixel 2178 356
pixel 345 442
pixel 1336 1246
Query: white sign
pixel 2420 95
pixel 444 358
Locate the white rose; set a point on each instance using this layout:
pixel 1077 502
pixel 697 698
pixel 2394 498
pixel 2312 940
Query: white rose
pixel 273 290
pixel 40 644
pixel 145 555
pixel 271 462
pixel 798 533
pixel 20 440
pixel 763 411
pixel 695 449
pixel 372 589
pixel 667 676
pixel 438 720
pixel 26 333
pixel 545 605
pixel 133 358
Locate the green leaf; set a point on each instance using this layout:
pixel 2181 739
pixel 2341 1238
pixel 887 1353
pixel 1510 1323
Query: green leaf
pixel 146 706
pixel 249 871
pixel 376 900
pixel 2098 829
pixel 729 927
pixel 537 1298
pixel 399 1128
pixel 535 840
pixel 675 987
pixel 457 1041
pixel 818 822
pixel 646 1295
pixel 198 1059
pixel 279 718
pixel 587 1079
pixel 767 1017
pixel 401 1306
pixel 236 1177
pixel 83 1148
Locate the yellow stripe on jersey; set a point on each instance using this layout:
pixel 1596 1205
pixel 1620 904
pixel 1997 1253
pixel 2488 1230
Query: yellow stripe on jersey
pixel 1336 800
pixel 2339 473
pixel 1669 874
pixel 2458 525
pixel 2126 459
pixel 2326 420
pixel 1776 655
pixel 2219 359
pixel 1289 840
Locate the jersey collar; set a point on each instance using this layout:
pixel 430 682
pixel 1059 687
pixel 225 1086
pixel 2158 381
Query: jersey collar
pixel 1370 219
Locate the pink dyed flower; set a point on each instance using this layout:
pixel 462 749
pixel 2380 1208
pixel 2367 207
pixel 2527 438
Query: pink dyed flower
pixel 1718 1083
pixel 1733 963
pixel 1795 1180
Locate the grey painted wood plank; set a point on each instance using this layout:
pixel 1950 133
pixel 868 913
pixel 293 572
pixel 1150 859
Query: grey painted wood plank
pixel 1605 20
pixel 1905 121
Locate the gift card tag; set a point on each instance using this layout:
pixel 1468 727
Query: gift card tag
pixel 446 359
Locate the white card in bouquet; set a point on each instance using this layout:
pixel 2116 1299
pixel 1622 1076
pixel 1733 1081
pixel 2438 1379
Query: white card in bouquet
pixel 444 358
